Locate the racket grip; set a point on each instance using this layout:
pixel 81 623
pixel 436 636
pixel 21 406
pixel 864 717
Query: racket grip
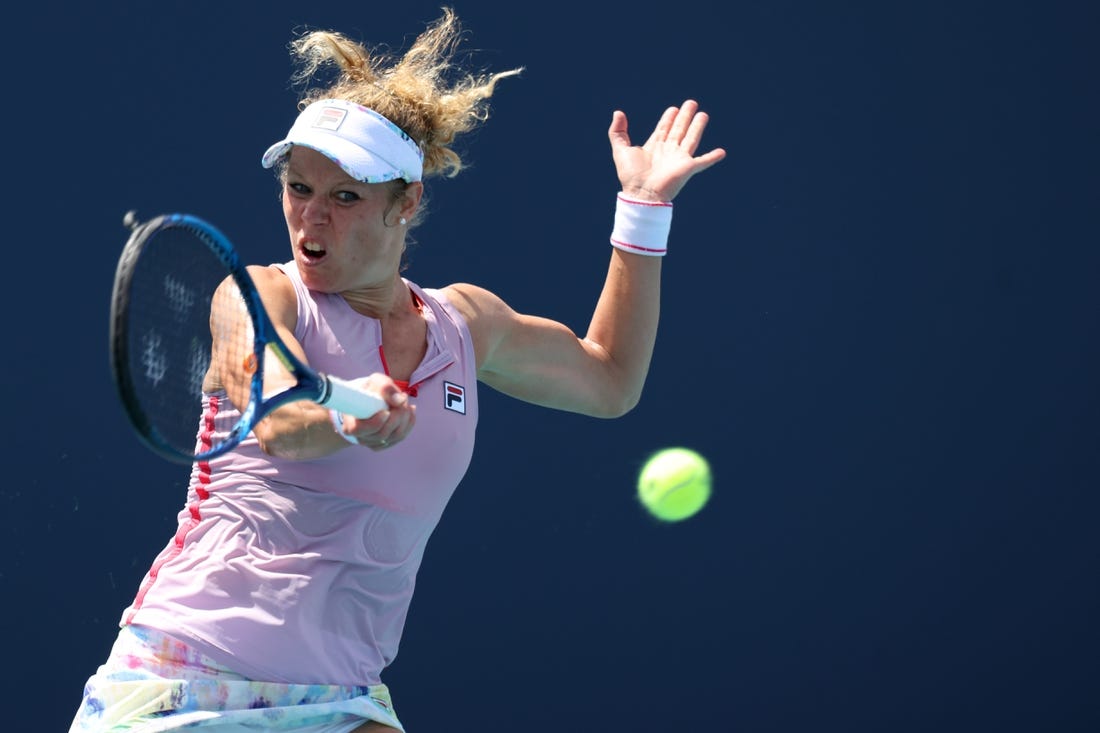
pixel 347 397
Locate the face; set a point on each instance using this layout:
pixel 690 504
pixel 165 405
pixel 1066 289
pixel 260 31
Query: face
pixel 345 234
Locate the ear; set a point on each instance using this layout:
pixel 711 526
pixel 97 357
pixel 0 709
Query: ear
pixel 410 200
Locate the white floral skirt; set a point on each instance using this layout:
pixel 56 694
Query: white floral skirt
pixel 152 683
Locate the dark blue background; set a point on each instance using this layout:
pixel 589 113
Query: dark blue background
pixel 880 323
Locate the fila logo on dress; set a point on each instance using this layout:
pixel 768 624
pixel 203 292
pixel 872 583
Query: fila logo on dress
pixel 454 397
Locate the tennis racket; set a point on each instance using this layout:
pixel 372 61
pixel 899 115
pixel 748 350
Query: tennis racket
pixel 182 294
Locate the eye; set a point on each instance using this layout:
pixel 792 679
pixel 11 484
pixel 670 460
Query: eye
pixel 299 188
pixel 346 197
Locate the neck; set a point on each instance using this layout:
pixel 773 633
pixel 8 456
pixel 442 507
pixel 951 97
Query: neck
pixel 383 302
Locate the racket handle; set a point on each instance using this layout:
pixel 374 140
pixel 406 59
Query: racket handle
pixel 347 397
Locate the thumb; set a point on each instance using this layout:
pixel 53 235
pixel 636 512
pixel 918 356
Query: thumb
pixel 384 387
pixel 617 132
pixel 394 395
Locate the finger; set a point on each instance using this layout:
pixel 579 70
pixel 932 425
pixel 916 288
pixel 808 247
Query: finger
pixel 396 397
pixel 617 133
pixel 664 125
pixel 682 121
pixel 695 132
pixel 387 389
pixel 702 162
pixel 381 436
pixel 396 429
pixel 367 428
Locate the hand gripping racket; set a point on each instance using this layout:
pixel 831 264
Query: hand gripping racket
pixel 166 323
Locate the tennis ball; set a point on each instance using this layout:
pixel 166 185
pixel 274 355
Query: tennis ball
pixel 674 483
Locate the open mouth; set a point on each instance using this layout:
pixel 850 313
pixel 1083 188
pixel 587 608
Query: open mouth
pixel 312 250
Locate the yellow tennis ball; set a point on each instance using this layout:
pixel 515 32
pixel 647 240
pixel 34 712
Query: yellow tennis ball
pixel 674 484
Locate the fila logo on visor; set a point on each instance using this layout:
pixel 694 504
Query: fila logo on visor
pixel 454 398
pixel 330 118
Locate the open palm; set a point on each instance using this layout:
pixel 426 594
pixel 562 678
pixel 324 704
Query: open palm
pixel 658 170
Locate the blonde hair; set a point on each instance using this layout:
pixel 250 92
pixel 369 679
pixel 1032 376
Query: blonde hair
pixel 421 92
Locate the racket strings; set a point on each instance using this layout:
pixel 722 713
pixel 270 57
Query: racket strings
pixel 174 324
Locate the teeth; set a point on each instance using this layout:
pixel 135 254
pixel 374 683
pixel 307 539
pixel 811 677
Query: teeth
pixel 312 247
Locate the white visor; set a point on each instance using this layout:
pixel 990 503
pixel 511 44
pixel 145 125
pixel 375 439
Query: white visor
pixel 365 144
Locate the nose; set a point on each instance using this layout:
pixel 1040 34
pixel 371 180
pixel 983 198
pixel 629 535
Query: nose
pixel 315 210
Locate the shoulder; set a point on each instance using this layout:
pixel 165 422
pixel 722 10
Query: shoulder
pixel 473 301
pixel 276 291
pixel 487 316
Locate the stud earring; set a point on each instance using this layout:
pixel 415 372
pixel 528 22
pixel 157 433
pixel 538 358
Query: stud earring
pixel 404 221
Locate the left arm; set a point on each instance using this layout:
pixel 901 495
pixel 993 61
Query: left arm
pixel 542 361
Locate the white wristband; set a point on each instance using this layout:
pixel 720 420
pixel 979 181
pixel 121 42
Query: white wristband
pixel 338 424
pixel 641 227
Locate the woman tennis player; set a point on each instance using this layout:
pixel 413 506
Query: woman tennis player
pixel 282 596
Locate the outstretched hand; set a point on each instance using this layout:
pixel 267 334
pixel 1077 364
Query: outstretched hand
pixel 657 170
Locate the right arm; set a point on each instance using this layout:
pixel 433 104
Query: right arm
pixel 302 429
